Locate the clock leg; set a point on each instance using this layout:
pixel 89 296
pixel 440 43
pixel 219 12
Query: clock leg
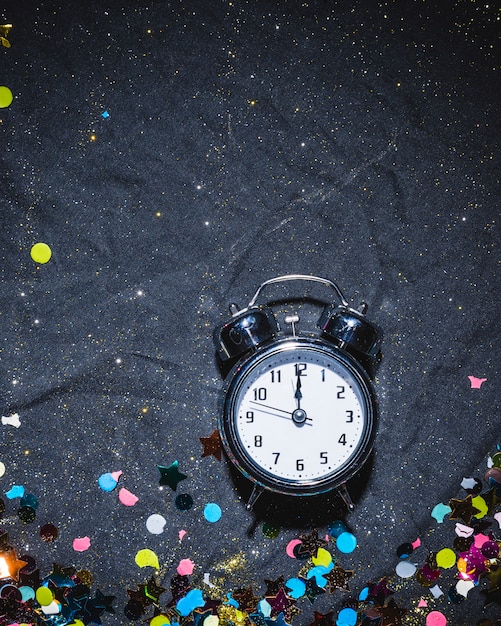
pixel 256 492
pixel 343 492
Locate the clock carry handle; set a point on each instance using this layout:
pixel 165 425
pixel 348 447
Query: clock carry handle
pixel 250 327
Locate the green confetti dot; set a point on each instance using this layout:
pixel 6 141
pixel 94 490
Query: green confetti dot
pixel 270 531
pixel 41 253
pixel 6 97
pixel 44 596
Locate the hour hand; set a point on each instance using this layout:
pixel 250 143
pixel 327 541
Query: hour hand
pixel 298 395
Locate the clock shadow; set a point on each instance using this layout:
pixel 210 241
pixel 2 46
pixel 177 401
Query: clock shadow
pixel 297 512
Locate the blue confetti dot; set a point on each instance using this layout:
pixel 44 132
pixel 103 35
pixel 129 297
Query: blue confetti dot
pixel 336 528
pixel 212 512
pixel 105 114
pixel 297 588
pixel 191 601
pixel 364 594
pixel 346 542
pixel 107 482
pixel 346 617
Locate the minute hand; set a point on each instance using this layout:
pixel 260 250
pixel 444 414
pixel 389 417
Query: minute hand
pixel 271 410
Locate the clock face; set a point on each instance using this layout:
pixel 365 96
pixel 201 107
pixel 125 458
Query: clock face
pixel 299 416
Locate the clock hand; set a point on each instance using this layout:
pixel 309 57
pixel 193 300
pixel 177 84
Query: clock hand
pixel 276 412
pixel 298 395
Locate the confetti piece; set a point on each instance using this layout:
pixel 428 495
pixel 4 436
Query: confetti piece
pixel 291 546
pixel 212 512
pixel 11 420
pixel 191 601
pixel 183 502
pixel 54 608
pixel 109 480
pixel 497 517
pixel 318 574
pixel 105 115
pixel 156 524
pixel 480 504
pixel 41 253
pixel 80 544
pixel 440 511
pixel 436 591
pixel 436 618
pixel 6 97
pixel 48 533
pixel 2 469
pixel 446 558
pixel 463 531
pixel 297 588
pixel 126 497
pixel 161 620
pixel 182 534
pixel 27 593
pixel 476 383
pixel 44 596
pixel 405 569
pixel 422 604
pixel 4 33
pixel 185 567
pixel 480 539
pixel 336 528
pixel 416 544
pixel 264 607
pixel 323 557
pixel 468 483
pixel 147 558
pixel 211 620
pixel 464 586
pixel 346 542
pixel 17 491
pixel 347 617
pixel 207 580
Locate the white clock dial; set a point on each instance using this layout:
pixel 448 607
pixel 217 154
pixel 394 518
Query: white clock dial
pixel 299 416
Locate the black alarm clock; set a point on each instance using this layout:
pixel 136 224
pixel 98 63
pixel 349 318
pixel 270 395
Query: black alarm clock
pixel 298 412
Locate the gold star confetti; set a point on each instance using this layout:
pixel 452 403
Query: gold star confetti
pixel 4 33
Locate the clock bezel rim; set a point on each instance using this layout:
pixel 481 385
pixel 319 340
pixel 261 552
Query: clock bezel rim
pixel 248 467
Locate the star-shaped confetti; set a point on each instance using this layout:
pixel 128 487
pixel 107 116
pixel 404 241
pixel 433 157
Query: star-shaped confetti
pixel 463 509
pixel 312 589
pixel 321 619
pixel 380 591
pixel 4 33
pixel 476 383
pixel 338 578
pixel 171 475
pixel 274 586
pixel 246 599
pixel 281 603
pixel 153 590
pixel 310 543
pixel 212 445
pixel 392 614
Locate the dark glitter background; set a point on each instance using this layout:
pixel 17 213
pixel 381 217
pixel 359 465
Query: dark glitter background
pixel 358 141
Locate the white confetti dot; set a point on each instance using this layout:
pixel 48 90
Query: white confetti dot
pixel 155 524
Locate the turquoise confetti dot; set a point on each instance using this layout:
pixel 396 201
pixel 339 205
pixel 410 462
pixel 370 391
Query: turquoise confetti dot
pixel 264 607
pixel 212 512
pixel 231 601
pixel 440 511
pixel 346 617
pixel 17 491
pixel 27 593
pixel 346 542
pixel 107 482
pixel 105 114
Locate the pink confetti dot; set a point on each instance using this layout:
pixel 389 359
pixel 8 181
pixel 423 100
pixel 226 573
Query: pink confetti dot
pixel 435 618
pixel 290 547
pixel 182 534
pixel 126 497
pixel 185 567
pixel 80 544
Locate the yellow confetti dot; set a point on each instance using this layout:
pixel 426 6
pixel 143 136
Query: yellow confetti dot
pixel 44 596
pixel 480 504
pixel 323 558
pixel 41 253
pixel 160 620
pixel 446 558
pixel 147 558
pixel 6 97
